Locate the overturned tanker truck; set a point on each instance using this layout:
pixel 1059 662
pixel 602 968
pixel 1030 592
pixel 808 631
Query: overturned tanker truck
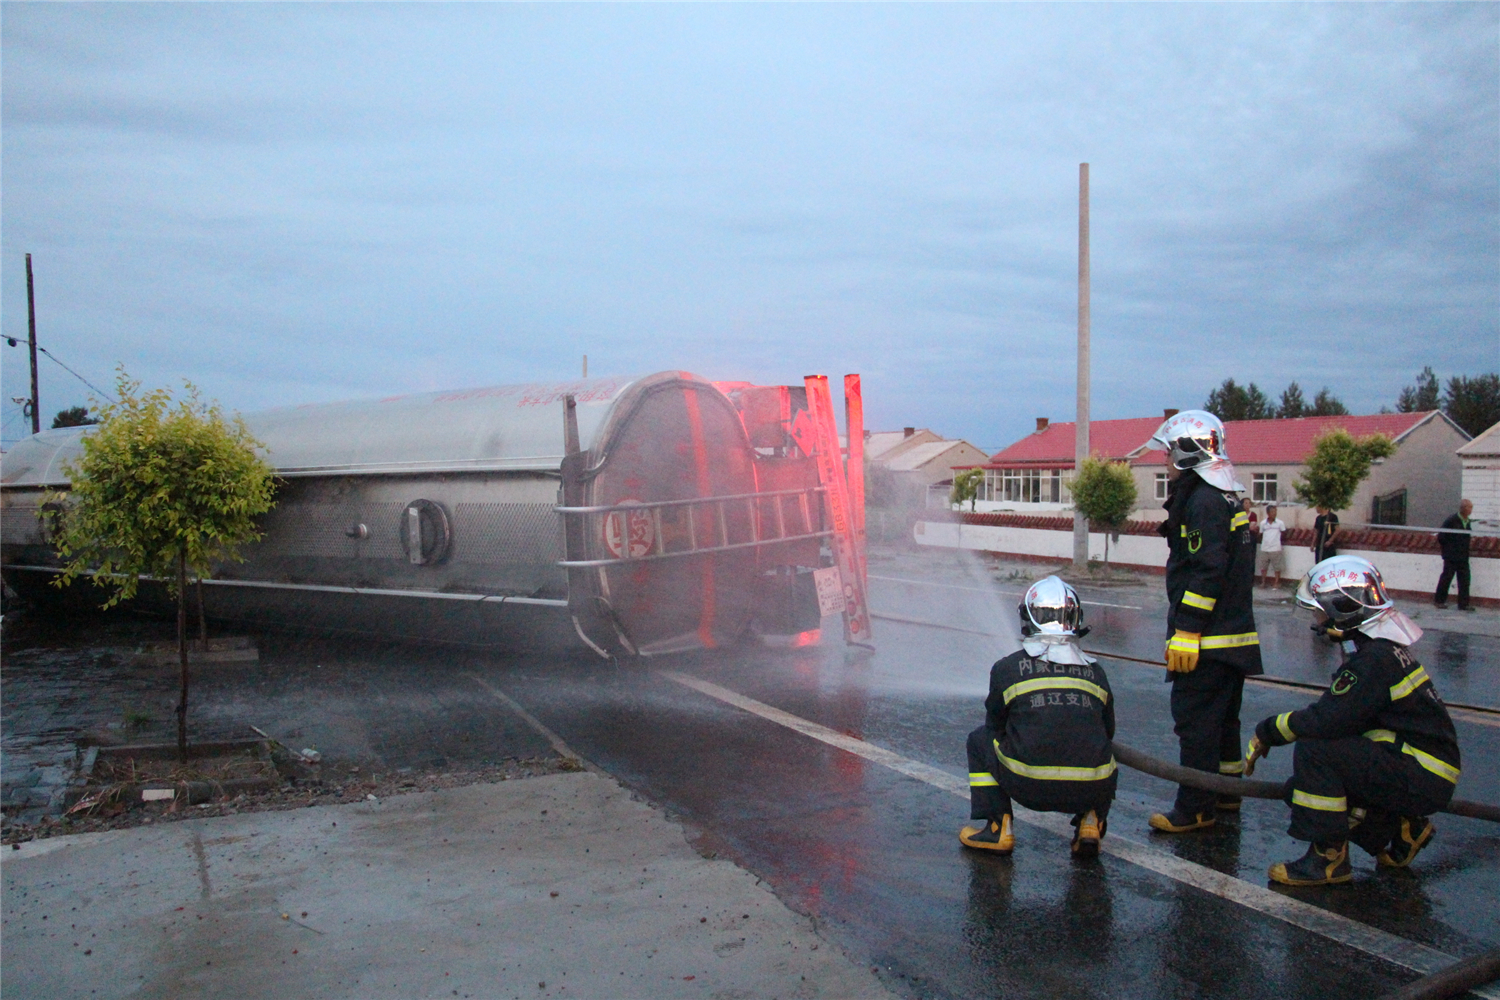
pixel 638 515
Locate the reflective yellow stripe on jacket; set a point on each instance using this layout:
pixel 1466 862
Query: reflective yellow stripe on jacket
pixel 1230 641
pixel 1380 736
pixel 1193 600
pixel 1408 684
pixel 981 779
pixel 1053 683
pixel 1239 520
pixel 1054 773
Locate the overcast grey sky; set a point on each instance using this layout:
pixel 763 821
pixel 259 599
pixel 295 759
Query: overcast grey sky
pixel 288 203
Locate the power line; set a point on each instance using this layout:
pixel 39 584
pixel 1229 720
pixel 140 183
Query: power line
pixel 13 341
pixel 78 376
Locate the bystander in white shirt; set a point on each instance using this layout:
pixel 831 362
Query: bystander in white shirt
pixel 1270 533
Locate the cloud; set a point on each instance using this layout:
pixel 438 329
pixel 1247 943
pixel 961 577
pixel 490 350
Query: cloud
pixel 289 203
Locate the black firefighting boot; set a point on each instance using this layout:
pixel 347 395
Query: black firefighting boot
pixel 989 835
pixel 1414 834
pixel 1090 830
pixel 1177 821
pixel 1323 864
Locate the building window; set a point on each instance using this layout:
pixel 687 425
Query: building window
pixel 1263 487
pixel 1389 509
pixel 1161 486
pixel 1026 485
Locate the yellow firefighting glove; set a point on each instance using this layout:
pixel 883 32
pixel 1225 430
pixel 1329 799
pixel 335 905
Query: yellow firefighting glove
pixel 1182 652
pixel 1255 752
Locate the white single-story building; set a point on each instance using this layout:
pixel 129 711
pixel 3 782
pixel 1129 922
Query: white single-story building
pixel 1481 475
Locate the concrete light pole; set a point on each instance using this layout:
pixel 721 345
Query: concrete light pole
pixel 36 402
pixel 1081 433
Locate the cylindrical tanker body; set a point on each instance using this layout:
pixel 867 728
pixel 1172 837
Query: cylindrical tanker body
pixel 436 516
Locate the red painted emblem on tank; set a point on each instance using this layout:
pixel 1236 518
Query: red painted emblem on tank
pixel 629 534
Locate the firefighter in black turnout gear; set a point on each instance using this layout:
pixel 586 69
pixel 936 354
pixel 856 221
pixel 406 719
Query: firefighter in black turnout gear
pixel 1377 754
pixel 1212 645
pixel 1049 720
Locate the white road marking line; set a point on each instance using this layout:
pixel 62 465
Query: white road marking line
pixel 982 590
pixel 557 741
pixel 1370 940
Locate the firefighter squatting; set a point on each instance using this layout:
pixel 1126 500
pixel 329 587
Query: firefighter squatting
pixel 1373 758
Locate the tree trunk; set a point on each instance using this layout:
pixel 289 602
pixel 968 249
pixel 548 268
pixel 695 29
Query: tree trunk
pixel 202 619
pixel 182 653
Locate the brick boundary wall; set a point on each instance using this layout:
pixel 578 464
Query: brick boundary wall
pixel 1366 539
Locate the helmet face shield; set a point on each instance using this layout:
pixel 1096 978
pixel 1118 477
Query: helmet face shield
pixel 1051 607
pixel 1195 439
pixel 1192 438
pixel 1348 589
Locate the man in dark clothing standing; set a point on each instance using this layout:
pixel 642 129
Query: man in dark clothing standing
pixel 1377 754
pixel 1212 644
pixel 1455 545
pixel 1325 530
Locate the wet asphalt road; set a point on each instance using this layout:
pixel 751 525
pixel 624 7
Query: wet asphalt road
pixel 874 854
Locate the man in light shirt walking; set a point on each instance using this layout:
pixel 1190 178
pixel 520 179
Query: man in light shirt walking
pixel 1270 556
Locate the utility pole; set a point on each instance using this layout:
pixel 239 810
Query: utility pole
pixel 36 403
pixel 1081 428
pixel 585 366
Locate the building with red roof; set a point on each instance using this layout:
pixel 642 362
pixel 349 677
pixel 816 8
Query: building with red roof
pixel 1418 485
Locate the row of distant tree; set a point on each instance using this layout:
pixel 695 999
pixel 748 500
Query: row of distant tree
pixel 1472 403
pixel 1232 401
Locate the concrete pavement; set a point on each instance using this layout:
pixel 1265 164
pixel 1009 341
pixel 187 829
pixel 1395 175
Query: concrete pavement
pixel 565 885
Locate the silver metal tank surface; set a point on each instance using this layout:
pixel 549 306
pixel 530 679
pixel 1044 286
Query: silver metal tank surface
pixel 434 516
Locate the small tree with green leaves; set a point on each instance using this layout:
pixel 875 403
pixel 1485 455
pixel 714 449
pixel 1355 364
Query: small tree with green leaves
pixel 164 489
pixel 1338 464
pixel 966 485
pixel 1105 493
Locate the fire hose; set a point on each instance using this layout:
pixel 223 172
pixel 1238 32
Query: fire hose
pixel 1455 980
pixel 1253 789
pixel 1243 787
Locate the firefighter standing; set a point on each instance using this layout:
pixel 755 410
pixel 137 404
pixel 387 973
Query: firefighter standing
pixel 1049 720
pixel 1212 644
pixel 1377 753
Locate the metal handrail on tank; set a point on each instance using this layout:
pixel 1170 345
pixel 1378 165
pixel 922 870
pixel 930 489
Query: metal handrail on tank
pixel 752 502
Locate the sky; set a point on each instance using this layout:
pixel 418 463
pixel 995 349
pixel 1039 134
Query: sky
pixel 291 203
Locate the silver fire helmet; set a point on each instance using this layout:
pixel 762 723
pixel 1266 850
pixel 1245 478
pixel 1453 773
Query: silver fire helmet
pixel 1350 591
pixel 1051 608
pixel 1194 439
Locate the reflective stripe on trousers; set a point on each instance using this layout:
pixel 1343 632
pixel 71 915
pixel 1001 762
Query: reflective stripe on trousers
pixel 1322 803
